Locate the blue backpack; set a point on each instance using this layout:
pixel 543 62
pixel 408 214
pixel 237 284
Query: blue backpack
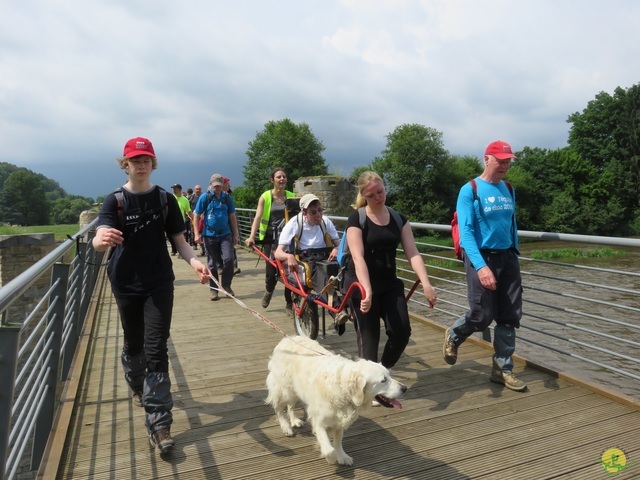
pixel 344 255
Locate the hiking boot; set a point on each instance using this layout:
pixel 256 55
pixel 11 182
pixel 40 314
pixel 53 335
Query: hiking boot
pixel 449 349
pixel 161 440
pixel 266 300
pixel 508 379
pixel 136 398
pixel 289 309
pixel 214 296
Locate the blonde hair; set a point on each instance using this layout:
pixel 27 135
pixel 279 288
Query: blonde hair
pixel 124 162
pixel 365 179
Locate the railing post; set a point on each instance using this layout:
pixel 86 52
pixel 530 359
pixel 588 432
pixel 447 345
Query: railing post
pixel 59 274
pixel 9 340
pixel 84 270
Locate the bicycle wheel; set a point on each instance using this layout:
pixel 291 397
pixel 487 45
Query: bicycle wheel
pixel 305 324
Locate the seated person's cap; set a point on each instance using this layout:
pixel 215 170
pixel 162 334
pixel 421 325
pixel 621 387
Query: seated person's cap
pixel 306 200
pixel 216 179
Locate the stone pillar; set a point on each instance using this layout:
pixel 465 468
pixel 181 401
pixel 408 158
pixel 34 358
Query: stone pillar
pixel 17 254
pixel 86 217
pixel 336 193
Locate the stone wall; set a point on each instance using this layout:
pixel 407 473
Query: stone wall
pixel 17 254
pixel 335 193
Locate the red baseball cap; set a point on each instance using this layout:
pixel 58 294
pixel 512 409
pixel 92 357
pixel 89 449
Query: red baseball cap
pixel 138 146
pixel 499 149
pixel 226 179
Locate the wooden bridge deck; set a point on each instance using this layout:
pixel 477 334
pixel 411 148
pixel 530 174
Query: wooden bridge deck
pixel 455 423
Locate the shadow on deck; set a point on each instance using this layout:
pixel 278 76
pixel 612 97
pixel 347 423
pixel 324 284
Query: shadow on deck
pixel 455 423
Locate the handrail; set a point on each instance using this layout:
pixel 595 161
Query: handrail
pixel 37 352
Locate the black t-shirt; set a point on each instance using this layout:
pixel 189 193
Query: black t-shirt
pixel 380 244
pixel 141 265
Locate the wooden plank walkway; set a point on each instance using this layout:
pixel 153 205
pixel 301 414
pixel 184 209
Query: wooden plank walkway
pixel 455 423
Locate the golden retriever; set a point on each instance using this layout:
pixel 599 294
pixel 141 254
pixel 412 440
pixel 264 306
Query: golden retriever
pixel 333 389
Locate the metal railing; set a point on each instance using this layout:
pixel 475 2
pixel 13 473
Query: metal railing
pixel 36 353
pixel 579 318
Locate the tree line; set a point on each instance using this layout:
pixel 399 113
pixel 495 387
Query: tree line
pixel 591 186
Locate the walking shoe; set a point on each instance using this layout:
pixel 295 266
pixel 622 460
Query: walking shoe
pixel 289 309
pixel 161 440
pixel 136 397
pixel 214 296
pixel 449 349
pixel 342 318
pixel 237 271
pixel 508 379
pixel 266 300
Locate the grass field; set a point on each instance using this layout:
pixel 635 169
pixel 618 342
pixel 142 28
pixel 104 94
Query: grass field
pixel 60 232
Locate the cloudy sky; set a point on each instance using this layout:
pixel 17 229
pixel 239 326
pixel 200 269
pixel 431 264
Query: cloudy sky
pixel 201 77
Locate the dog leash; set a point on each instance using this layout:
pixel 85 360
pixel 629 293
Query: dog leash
pixel 219 288
pixel 264 319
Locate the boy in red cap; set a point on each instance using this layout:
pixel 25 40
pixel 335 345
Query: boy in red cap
pixel 132 222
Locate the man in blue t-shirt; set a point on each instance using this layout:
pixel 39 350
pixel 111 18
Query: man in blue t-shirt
pixel 489 238
pixel 220 232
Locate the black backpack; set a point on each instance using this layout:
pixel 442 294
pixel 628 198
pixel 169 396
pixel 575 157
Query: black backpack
pixel 122 207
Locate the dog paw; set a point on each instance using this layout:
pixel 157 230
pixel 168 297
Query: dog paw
pixel 297 423
pixel 340 458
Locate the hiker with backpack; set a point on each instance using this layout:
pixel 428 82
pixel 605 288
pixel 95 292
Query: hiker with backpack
pixel 132 222
pixel 489 240
pixel 220 233
pixel 372 247
pixel 305 232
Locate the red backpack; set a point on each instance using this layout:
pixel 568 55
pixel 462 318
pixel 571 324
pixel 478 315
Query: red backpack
pixel 455 229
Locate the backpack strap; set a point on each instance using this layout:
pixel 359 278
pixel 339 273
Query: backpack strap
pixel 323 227
pixel 121 202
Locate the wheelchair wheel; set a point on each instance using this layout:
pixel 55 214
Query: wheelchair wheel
pixel 306 324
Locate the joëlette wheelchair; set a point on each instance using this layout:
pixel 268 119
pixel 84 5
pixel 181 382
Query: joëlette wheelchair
pixel 306 319
pixel 306 300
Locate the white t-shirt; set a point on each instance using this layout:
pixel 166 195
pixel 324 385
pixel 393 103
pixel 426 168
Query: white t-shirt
pixel 311 237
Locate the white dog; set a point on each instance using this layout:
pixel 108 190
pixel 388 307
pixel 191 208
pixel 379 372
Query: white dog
pixel 333 388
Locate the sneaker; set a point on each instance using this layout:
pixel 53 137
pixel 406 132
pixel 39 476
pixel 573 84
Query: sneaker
pixel 449 349
pixel 289 309
pixel 161 440
pixel 342 318
pixel 214 296
pixel 266 300
pixel 136 398
pixel 508 379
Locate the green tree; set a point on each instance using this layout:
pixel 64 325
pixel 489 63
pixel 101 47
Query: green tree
pixel 607 136
pixel 67 210
pixel 417 170
pixel 284 144
pixel 23 193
